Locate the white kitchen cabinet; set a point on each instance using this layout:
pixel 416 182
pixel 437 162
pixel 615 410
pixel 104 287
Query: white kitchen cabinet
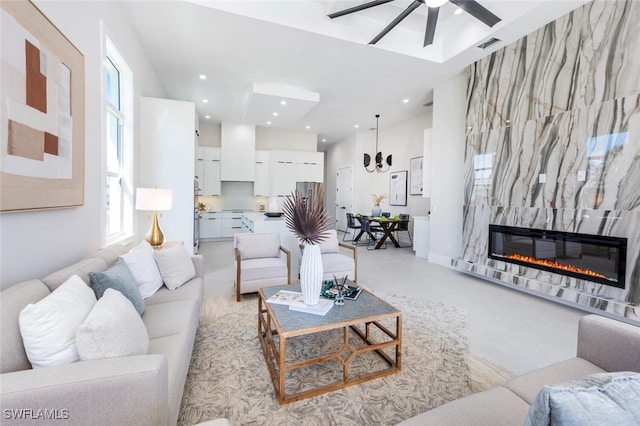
pixel 261 184
pixel 211 225
pixel 231 223
pixel 208 170
pixel 238 151
pixel 288 167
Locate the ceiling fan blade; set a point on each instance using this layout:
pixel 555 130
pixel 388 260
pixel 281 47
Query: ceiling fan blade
pixel 478 11
pixel 396 21
pixel 357 8
pixel 432 20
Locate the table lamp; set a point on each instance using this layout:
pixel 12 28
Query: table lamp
pixel 154 199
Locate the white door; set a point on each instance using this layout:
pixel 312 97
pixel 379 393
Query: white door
pixel 344 196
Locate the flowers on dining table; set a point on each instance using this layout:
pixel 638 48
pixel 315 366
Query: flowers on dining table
pixel 377 199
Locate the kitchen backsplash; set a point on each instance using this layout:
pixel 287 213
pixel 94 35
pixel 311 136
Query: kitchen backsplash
pixel 235 195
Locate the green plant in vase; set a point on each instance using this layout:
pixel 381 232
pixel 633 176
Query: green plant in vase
pixel 376 211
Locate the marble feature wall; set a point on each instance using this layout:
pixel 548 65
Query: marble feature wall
pixel 553 142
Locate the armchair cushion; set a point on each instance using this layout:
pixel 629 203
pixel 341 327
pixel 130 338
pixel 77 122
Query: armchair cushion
pixel 330 243
pixel 263 269
pixel 255 246
pixel 337 264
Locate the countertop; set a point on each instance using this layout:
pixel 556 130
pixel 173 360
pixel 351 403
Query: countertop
pixel 259 217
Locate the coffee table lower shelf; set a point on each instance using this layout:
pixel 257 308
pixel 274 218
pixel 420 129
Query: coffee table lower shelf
pixel 273 341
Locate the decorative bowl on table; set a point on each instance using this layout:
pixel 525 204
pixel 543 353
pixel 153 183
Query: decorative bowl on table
pixel 273 214
pixel 329 290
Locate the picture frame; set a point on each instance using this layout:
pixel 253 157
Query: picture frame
pixel 415 176
pixel 43 139
pixel 398 188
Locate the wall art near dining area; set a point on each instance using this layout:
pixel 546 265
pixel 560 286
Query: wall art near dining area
pixel 41 114
pixel 415 177
pixel 398 190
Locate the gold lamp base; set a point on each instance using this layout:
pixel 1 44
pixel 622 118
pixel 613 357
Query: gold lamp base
pixel 155 237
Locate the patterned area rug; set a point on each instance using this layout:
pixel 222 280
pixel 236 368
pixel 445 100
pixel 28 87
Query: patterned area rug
pixel 228 376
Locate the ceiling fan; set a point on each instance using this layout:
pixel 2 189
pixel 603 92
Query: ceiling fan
pixel 472 7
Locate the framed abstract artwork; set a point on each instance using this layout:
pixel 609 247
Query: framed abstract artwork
pixel 415 176
pixel 42 113
pixel 398 189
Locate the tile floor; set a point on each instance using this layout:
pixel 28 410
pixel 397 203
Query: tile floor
pixel 516 330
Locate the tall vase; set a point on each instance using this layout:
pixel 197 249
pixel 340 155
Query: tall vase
pixel 311 274
pixel 376 211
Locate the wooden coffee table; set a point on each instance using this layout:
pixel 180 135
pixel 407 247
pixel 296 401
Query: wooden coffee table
pixel 360 320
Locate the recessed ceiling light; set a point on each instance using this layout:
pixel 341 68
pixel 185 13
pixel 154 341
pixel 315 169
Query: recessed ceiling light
pixel 283 102
pixel 406 101
pixel 307 127
pixel 268 122
pixel 207 116
pixel 458 11
pixel 324 140
pixel 203 77
pixel 205 100
pixel 356 126
pixel 275 114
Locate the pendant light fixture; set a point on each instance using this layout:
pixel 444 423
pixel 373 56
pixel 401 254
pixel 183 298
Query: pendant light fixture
pixel 380 163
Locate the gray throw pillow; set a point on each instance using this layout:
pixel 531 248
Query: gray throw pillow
pixel 598 399
pixel 118 277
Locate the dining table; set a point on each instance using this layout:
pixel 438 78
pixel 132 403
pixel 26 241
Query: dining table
pixel 387 225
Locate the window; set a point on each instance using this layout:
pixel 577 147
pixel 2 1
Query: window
pixel 118 193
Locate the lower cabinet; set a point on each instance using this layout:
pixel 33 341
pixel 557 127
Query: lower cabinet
pixel 210 225
pixel 231 224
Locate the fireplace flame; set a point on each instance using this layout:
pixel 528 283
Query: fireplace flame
pixel 556 265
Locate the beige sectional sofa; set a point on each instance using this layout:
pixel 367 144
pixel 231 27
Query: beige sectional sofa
pixel 604 345
pixel 140 390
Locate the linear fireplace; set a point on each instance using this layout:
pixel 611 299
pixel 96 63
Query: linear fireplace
pixel 590 257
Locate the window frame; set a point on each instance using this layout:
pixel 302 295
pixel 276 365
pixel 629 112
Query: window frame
pixel 124 115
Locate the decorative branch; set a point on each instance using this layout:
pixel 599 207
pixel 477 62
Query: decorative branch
pixel 306 218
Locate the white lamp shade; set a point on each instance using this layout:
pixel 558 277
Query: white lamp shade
pixel 154 199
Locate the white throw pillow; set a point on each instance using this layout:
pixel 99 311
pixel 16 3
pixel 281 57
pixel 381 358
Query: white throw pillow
pixel 143 266
pixel 176 266
pixel 48 328
pixel 112 329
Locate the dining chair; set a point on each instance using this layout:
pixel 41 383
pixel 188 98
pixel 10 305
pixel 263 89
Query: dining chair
pixel 371 231
pixel 386 214
pixel 404 227
pixel 351 224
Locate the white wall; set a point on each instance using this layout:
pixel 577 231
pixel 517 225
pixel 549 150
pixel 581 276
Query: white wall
pixel 33 244
pixel 404 141
pixel 167 161
pixel 447 170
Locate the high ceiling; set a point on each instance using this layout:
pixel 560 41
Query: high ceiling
pixel 256 54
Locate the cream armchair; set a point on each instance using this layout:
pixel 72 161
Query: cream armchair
pixel 336 263
pixel 258 262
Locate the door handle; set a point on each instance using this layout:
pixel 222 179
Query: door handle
pixel 343 208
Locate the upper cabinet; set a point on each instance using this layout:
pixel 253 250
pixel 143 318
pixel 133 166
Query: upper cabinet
pixel 238 152
pixel 261 184
pixel 288 167
pixel 208 170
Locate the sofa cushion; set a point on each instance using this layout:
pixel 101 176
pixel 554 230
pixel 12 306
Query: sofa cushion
pixel 110 254
pixel 191 290
pixel 599 399
pixel 118 277
pixel 81 269
pixel 49 326
pixel 112 329
pixel 165 319
pixel 528 385
pixel 263 268
pixel 494 407
pixel 175 265
pixel 12 301
pixel 253 246
pixel 142 263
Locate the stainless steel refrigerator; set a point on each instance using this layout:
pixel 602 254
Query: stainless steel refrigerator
pixel 306 188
